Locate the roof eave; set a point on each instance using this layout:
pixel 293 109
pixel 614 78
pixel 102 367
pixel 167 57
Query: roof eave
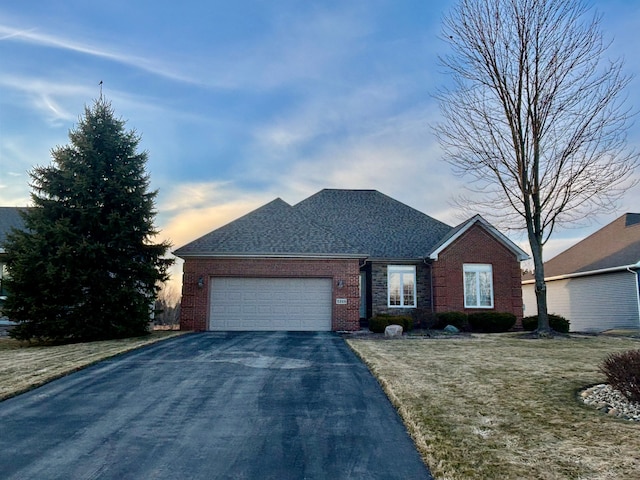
pixel 396 259
pixel 620 268
pixel 322 256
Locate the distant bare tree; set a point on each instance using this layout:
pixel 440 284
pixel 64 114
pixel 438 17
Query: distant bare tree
pixel 536 117
pixel 167 307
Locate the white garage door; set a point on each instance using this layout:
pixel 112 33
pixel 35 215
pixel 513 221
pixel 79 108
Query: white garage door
pixel 271 304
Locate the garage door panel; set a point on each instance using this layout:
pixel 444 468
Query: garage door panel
pixel 270 304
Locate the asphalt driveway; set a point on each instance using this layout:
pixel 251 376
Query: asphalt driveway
pixel 212 406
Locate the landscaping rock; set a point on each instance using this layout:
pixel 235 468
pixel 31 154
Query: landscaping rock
pixel 393 331
pixel 610 401
pixel 451 329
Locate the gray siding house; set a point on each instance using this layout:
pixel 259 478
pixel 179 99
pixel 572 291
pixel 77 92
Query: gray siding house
pixel 9 218
pixel 595 284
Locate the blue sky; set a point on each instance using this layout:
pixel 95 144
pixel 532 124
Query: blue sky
pixel 242 102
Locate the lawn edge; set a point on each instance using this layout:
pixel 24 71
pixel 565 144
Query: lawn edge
pixel 412 429
pixel 43 381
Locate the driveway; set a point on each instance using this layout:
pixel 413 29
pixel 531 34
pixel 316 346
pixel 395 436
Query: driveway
pixel 212 406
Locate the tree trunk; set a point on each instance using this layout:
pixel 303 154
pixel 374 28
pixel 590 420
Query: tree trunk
pixel 541 288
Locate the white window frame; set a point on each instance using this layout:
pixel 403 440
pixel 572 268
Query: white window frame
pixel 477 269
pixel 401 270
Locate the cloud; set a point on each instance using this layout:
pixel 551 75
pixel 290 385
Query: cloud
pixel 354 112
pixel 34 37
pixel 15 162
pixel 45 95
pixel 309 44
pixel 190 210
pixel 361 139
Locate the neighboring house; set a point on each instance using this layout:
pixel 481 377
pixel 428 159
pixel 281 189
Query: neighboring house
pixel 595 283
pixel 339 256
pixel 9 218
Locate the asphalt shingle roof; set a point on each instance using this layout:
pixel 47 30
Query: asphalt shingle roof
pixel 376 223
pixel 9 218
pixel 362 223
pixel 614 245
pixel 273 229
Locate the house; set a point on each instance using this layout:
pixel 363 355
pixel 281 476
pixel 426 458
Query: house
pixel 9 218
pixel 340 256
pixel 595 283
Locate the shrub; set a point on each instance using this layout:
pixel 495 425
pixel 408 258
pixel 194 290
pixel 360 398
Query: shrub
pixel 491 322
pixel 423 318
pixel 623 373
pixel 378 323
pixel 557 322
pixel 460 320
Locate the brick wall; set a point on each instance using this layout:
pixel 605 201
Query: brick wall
pixel 194 309
pixel 477 246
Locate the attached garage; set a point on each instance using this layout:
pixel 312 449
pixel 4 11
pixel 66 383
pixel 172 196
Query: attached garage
pixel 288 304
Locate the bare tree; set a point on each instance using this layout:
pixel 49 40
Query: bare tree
pixel 536 117
pixel 167 307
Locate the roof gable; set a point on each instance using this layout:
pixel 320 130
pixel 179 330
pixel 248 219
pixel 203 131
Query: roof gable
pixel 273 229
pixel 374 222
pixel 461 229
pixel 615 245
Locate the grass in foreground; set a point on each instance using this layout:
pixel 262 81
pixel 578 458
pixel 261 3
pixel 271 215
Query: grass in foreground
pixel 24 366
pixel 502 407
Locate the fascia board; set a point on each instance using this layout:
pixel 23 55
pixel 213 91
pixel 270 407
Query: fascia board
pixel 586 274
pixel 273 255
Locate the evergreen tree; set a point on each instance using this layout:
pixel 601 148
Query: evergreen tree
pixel 85 267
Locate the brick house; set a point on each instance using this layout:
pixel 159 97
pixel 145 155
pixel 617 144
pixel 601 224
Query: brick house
pixel 340 256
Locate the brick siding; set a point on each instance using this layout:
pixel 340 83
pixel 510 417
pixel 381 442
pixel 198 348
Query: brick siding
pixel 477 246
pixel 194 309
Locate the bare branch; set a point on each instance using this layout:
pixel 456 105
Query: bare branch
pixel 536 117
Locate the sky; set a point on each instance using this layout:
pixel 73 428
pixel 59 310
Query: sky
pixel 241 102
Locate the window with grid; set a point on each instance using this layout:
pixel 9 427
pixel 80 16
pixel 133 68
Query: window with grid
pixel 478 286
pixel 401 282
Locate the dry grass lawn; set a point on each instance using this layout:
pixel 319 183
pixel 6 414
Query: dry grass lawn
pixel 503 407
pixel 481 407
pixel 24 366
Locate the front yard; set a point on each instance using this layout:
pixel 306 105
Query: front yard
pixel 503 407
pixel 479 407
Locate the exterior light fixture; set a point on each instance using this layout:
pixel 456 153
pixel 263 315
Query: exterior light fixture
pixel 200 282
pixel 340 283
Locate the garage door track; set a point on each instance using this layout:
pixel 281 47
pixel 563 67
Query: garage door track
pixel 212 406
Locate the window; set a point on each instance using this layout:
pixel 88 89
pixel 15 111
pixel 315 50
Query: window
pixel 401 284
pixel 478 286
